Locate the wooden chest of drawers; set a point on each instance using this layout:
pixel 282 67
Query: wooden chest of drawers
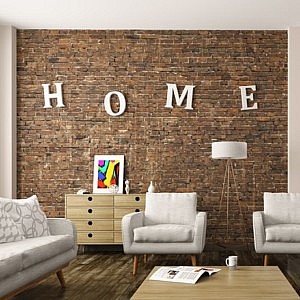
pixel 98 217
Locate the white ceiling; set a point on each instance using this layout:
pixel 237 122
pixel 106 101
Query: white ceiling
pixel 151 14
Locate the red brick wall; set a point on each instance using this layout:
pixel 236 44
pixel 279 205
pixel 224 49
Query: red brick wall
pixel 170 146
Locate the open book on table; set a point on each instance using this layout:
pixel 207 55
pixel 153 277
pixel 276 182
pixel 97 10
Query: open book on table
pixel 184 274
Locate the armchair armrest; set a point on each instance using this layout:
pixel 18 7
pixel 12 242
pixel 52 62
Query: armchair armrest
pixel 259 231
pixel 200 229
pixel 62 226
pixel 129 222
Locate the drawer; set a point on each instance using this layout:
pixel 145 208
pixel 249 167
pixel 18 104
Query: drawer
pixel 89 212
pixel 129 201
pixel 93 224
pixel 118 237
pixel 120 212
pixel 95 237
pixel 89 200
pixel 118 224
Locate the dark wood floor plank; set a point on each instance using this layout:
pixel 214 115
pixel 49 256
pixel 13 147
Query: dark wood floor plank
pixel 104 275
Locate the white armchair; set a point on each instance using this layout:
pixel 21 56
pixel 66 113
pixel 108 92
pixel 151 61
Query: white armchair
pixel 277 228
pixel 169 225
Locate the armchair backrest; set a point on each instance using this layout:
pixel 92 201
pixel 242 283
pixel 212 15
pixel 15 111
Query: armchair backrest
pixel 170 208
pixel 280 208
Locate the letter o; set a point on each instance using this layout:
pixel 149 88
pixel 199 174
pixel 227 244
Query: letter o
pixel 107 105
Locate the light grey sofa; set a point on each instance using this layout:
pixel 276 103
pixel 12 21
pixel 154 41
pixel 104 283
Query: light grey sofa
pixel 170 224
pixel 277 228
pixel 26 262
pixel 31 246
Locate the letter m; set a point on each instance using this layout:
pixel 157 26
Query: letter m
pixel 187 92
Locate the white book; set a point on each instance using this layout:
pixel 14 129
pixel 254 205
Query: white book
pixel 183 274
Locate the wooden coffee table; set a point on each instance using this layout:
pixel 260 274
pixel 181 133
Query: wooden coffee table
pixel 247 282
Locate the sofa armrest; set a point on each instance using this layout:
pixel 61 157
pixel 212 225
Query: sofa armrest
pixel 259 231
pixel 62 226
pixel 129 222
pixel 200 229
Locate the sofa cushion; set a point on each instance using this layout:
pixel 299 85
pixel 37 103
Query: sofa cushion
pixel 28 216
pixel 170 208
pixel 283 233
pixel 164 233
pixel 36 250
pixel 280 208
pixel 9 231
pixel 10 262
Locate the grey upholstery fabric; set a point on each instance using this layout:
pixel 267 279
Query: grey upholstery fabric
pixel 283 233
pixel 273 232
pixel 137 220
pixel 170 208
pixel 164 233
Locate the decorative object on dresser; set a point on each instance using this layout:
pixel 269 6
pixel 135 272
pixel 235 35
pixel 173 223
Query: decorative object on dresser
pixel 98 217
pixel 170 224
pixel 151 188
pixel 277 228
pixel 229 151
pixel 108 171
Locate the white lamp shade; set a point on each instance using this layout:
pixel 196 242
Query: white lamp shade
pixel 229 150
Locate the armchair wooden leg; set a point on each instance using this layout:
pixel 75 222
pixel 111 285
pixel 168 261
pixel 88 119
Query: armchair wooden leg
pixel 135 264
pixel 194 260
pixel 266 259
pixel 61 278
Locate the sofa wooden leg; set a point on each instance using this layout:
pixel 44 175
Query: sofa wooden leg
pixel 266 259
pixel 145 258
pixel 61 278
pixel 194 260
pixel 135 264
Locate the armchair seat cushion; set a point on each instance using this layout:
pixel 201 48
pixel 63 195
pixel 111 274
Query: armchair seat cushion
pixel 164 233
pixel 283 233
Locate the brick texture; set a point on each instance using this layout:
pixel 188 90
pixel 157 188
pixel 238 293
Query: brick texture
pixel 172 147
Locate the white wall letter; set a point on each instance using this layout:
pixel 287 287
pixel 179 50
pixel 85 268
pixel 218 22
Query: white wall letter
pixel 188 91
pixel 57 95
pixel 107 105
pixel 245 98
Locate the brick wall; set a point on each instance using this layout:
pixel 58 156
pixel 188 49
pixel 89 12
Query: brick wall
pixel 170 146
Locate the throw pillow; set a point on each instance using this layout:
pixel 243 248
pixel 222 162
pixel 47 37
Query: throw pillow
pixel 9 231
pixel 28 215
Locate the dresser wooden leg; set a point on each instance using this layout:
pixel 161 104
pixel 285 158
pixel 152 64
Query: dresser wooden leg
pixel 145 258
pixel 266 259
pixel 194 260
pixel 135 264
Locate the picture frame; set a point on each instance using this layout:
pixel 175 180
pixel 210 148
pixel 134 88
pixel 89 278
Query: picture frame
pixel 108 171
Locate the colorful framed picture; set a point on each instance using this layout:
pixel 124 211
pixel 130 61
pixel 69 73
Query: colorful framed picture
pixel 108 174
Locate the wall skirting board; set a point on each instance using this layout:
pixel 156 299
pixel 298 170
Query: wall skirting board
pixel 172 147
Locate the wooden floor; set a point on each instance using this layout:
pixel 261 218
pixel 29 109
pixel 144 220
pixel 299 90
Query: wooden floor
pixel 108 275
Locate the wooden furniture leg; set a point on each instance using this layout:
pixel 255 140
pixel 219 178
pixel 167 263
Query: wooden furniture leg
pixel 266 259
pixel 61 278
pixel 145 258
pixel 194 260
pixel 135 264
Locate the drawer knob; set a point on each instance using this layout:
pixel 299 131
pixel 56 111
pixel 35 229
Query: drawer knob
pixel 137 210
pixel 90 223
pixel 90 198
pixel 137 198
pixel 90 235
pixel 90 210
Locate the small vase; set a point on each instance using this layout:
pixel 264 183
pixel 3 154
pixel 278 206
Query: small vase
pixel 127 189
pixel 151 188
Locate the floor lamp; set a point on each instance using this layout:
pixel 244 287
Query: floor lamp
pixel 229 151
